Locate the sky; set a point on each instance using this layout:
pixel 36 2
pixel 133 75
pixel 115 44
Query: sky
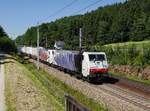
pixel 16 16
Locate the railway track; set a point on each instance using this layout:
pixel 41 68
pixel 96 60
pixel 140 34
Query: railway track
pixel 125 95
pixel 103 92
pixel 140 87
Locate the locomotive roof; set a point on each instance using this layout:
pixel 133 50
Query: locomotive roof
pixel 95 52
pixel 76 51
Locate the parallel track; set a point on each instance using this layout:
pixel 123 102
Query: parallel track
pixel 127 96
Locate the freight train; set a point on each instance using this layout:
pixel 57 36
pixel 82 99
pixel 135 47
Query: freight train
pixel 89 65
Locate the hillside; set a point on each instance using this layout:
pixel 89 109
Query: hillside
pixel 137 44
pixel 121 22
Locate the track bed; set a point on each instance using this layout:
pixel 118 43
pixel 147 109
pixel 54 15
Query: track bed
pixel 114 95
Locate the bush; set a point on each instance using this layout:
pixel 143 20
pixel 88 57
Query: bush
pixel 7 45
pixel 146 56
pixel 128 55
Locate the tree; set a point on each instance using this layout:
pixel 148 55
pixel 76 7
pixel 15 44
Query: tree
pixel 120 22
pixel 139 28
pixel 148 28
pixel 2 32
pixel 7 45
pixel 103 36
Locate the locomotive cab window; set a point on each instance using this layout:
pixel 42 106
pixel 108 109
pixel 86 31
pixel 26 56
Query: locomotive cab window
pixel 96 57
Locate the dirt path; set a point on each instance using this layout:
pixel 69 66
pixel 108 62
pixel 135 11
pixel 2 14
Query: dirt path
pixel 2 96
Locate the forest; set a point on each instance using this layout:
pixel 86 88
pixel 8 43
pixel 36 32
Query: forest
pixel 6 44
pixel 120 22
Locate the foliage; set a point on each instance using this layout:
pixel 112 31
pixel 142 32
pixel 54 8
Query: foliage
pixel 6 44
pixel 130 77
pixel 128 21
pixel 2 32
pixel 127 55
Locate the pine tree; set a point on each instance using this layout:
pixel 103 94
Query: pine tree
pixel 102 36
pixel 139 28
pixel 2 32
pixel 148 28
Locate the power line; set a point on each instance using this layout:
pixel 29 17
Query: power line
pixel 60 10
pixel 92 4
pixel 88 6
pixel 55 13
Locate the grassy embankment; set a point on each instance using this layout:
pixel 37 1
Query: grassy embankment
pixel 23 94
pixel 132 78
pixel 135 55
pixel 52 88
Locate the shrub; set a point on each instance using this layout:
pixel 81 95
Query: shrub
pixel 128 55
pixel 7 45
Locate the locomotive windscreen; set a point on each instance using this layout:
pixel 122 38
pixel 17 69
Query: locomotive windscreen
pixel 96 57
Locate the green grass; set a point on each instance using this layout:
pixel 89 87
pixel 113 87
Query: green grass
pixel 132 78
pixel 40 82
pixel 58 89
pixel 137 44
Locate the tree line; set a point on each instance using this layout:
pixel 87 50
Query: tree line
pixel 120 22
pixel 6 44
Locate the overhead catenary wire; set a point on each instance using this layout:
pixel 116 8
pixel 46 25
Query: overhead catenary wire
pixel 92 4
pixel 59 10
pixel 68 5
pixel 38 23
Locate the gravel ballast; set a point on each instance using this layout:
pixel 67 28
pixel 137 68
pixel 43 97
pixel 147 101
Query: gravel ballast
pixel 112 102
